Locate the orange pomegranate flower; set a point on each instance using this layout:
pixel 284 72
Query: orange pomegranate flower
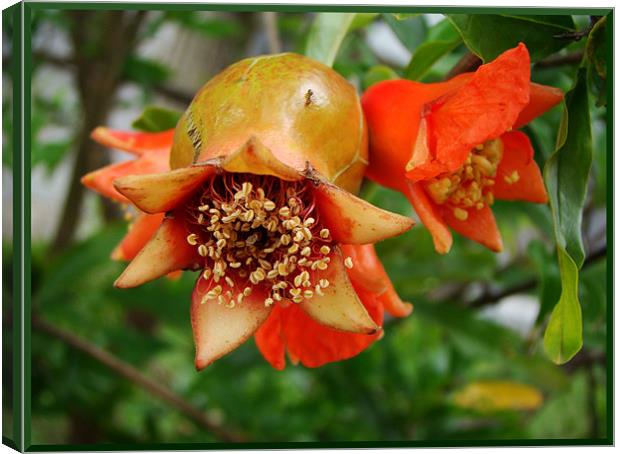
pixel 152 151
pixel 259 200
pixel 451 147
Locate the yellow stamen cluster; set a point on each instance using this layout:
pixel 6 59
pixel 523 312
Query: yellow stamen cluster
pixel 471 186
pixel 259 231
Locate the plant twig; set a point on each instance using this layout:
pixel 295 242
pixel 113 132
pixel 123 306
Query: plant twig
pixel 132 374
pixel 560 60
pixel 469 62
pixel 486 298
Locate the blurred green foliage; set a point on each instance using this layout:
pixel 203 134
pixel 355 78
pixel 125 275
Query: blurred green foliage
pixel 399 389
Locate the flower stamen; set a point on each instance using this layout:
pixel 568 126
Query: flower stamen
pixel 265 229
pixel 471 186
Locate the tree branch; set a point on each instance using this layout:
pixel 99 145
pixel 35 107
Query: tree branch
pixel 130 373
pixel 490 298
pixel 560 60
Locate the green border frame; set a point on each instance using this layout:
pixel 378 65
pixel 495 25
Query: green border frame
pixel 15 438
pixel 22 68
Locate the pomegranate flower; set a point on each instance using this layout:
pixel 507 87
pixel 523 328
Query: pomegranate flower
pixel 258 201
pixel 451 147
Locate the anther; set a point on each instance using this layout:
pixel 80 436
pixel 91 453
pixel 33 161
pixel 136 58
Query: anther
pixel 348 262
pixel 460 214
pixel 191 239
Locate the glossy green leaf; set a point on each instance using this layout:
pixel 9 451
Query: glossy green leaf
pixel 567 170
pixel 155 119
pixel 563 336
pixel 447 39
pixel 488 35
pixel 411 31
pixel 362 20
pixel 566 175
pixel 326 35
pixel 377 74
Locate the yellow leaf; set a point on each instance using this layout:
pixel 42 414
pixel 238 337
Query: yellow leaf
pixel 489 396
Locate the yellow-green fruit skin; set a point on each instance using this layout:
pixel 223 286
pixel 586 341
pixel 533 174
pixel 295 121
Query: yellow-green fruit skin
pixel 301 110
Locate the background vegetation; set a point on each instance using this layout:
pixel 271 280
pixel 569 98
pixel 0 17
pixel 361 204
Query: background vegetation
pixel 115 366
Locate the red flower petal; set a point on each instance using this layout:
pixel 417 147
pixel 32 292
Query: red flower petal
pixel 392 110
pixel 315 344
pixel 368 274
pixel 309 342
pixel 483 109
pixel 518 156
pixel 101 180
pixel 542 98
pixel 479 226
pixel 431 217
pixel 270 339
pixel 219 329
pixel 134 142
pixel 140 232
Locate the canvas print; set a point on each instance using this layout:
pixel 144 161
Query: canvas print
pixel 287 227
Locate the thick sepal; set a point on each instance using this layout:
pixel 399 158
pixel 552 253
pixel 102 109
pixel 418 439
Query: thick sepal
pixel 140 232
pixel 339 307
pixel 167 251
pixel 430 217
pixel 219 329
pixel 253 157
pixel 160 192
pixel 352 220
pixel 368 274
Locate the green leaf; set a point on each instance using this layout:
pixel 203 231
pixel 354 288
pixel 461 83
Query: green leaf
pixel 563 336
pixel 488 35
pixel 377 74
pixel 411 31
pixel 156 119
pixel 326 35
pixel 566 175
pixel 429 52
pixel 145 71
pixel 362 20
pixel 49 154
pixel 567 170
